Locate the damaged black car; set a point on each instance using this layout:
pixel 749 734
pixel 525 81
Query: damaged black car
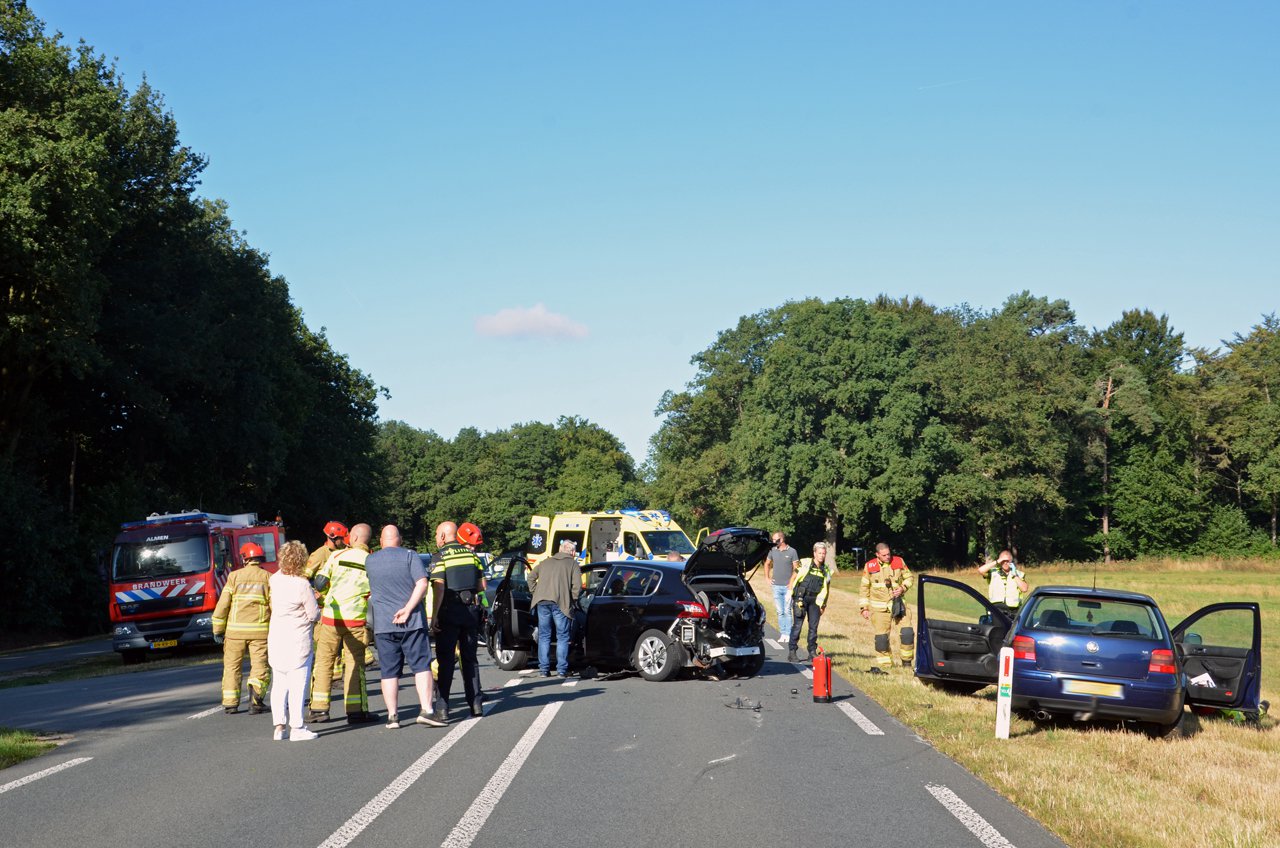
pixel 653 616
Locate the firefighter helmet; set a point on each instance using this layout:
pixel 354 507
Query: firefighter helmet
pixel 469 534
pixel 336 530
pixel 251 550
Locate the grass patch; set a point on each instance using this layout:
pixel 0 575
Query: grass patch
pixel 104 665
pixel 1098 784
pixel 18 746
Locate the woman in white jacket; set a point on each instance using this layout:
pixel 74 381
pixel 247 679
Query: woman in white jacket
pixel 289 642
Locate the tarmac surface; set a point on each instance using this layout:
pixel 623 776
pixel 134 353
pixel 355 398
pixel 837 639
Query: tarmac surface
pixel 613 760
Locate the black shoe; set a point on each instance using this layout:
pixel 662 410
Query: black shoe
pixel 317 716
pixel 544 673
pixel 792 658
pixel 875 669
pixel 257 709
pixel 361 718
pixel 231 710
pixel 477 709
pixel 438 718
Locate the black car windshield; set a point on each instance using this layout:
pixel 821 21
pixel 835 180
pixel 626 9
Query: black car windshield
pixel 662 542
pixel 1094 616
pixel 137 560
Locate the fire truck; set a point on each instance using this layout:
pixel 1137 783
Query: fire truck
pixel 166 572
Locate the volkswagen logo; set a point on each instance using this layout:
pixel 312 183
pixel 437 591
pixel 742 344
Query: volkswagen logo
pixel 1091 647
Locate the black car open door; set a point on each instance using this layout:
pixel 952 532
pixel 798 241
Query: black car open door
pixel 512 611
pixel 959 633
pixel 1220 647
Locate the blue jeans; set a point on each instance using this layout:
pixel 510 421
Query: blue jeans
pixel 549 611
pixel 782 600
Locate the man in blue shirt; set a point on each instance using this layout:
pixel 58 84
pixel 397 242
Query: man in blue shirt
pixel 397 584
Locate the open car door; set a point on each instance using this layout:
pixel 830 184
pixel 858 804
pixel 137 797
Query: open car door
pixel 1220 647
pixel 514 624
pixel 959 635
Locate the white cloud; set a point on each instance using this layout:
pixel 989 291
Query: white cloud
pixel 523 321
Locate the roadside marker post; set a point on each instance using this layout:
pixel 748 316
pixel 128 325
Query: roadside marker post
pixel 1004 693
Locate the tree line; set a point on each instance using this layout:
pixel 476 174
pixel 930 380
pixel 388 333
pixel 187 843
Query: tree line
pixel 149 360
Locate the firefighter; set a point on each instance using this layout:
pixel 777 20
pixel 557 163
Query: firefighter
pixel 240 625
pixel 457 580
pixel 335 539
pixel 808 587
pixel 345 586
pixel 885 581
pixel 1007 583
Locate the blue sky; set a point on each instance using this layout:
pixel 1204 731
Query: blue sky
pixel 437 180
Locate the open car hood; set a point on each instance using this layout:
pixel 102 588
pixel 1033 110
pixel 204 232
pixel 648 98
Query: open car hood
pixel 733 550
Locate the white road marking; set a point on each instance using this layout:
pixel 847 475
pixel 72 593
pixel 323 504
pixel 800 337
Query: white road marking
pixel 573 681
pixel 364 817
pixel 867 725
pixel 205 712
pixel 807 672
pixel 722 760
pixel 515 681
pixel 968 817
pixel 773 643
pixel 32 778
pixel 466 830
pixel 527 671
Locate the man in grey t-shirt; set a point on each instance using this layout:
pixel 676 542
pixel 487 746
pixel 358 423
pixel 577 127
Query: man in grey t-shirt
pixel 779 565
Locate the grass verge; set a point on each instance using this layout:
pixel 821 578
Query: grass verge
pixel 104 665
pixel 1098 784
pixel 18 746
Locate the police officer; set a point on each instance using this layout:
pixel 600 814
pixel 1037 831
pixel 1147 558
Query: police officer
pixel 457 580
pixel 808 587
pixel 240 621
pixel 885 580
pixel 344 609
pixel 1007 586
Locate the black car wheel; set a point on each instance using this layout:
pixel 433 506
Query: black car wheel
pixel 510 660
pixel 657 657
pixel 746 666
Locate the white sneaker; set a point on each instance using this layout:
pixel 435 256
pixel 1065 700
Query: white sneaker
pixel 281 733
pixel 303 734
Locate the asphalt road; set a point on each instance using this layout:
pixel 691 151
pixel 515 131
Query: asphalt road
pixel 20 660
pixel 606 761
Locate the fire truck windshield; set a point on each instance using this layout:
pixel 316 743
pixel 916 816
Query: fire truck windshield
pixel 139 560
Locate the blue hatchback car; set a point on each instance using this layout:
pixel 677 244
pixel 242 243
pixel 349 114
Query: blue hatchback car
pixel 1092 653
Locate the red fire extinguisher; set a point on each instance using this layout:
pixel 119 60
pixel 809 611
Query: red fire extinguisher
pixel 821 678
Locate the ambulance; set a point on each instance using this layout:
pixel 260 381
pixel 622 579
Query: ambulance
pixel 608 535
pixel 166 572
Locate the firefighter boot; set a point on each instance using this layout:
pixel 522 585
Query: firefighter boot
pixel 256 704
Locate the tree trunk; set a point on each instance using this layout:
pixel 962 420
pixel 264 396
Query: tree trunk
pixel 71 483
pixel 831 524
pixel 1106 473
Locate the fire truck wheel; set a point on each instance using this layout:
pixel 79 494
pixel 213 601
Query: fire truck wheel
pixel 133 657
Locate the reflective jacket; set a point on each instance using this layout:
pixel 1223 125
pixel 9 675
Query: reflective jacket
pixel 316 561
pixel 244 607
pixel 1004 587
pixel 811 580
pixel 874 594
pixel 458 568
pixel 345 586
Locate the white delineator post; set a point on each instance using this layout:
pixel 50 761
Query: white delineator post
pixel 1004 693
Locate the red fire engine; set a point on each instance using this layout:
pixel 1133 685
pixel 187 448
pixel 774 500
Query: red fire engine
pixel 167 570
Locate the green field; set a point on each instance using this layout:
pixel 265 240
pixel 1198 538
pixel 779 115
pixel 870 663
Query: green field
pixel 19 745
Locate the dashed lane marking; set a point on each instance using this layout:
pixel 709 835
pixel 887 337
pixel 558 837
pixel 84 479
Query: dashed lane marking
pixel 32 778
pixel 807 672
pixel 867 725
pixel 774 643
pixel 968 816
pixel 572 681
pixel 465 832
pixel 515 681
pixel 364 817
pixel 204 713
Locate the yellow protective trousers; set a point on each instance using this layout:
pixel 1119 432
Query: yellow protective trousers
pixel 234 650
pixel 333 640
pixel 883 625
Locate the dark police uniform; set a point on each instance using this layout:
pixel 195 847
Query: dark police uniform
pixel 457 571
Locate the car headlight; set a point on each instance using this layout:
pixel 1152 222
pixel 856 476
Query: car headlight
pixel 201 622
pixel 124 630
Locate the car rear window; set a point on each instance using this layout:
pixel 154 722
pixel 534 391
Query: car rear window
pixel 1095 616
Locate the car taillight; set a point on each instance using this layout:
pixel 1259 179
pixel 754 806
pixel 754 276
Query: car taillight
pixel 1024 648
pixel 1162 663
pixel 691 609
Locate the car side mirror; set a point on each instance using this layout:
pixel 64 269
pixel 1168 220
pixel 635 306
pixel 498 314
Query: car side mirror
pixel 1191 638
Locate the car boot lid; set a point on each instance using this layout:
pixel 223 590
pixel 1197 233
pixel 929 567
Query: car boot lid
pixel 731 551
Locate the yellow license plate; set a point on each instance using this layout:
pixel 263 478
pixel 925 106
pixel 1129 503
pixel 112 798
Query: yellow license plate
pixel 1089 687
pixel 164 643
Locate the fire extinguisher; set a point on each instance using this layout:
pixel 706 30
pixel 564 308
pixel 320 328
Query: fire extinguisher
pixel 821 678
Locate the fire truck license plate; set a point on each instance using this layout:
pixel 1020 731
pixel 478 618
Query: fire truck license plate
pixel 164 643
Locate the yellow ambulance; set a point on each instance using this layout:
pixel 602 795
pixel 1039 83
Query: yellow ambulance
pixel 607 535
